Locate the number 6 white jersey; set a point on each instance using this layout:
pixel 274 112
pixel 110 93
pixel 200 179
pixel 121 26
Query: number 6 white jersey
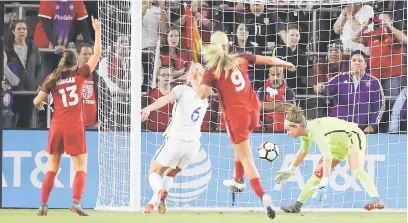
pixel 188 114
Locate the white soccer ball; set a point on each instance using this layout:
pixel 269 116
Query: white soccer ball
pixel 268 151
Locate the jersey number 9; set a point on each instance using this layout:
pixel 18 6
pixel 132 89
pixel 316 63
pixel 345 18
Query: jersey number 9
pixel 238 80
pixel 73 96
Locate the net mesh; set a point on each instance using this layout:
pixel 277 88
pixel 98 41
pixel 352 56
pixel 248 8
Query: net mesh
pixel 114 105
pixel 318 37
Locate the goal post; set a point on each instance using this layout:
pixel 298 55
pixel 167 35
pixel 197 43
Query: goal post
pixel 125 149
pixel 119 133
pixel 136 92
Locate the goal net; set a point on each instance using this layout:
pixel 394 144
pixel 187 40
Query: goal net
pixel 331 79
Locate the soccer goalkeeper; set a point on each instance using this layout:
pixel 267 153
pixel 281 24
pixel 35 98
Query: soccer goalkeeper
pixel 337 139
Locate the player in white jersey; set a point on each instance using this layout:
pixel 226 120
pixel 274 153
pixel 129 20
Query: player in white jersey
pixel 182 141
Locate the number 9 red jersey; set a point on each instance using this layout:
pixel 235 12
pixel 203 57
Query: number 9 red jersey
pixel 239 102
pixel 235 93
pixel 67 95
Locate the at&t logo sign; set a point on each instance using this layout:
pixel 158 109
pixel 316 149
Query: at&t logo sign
pixel 192 181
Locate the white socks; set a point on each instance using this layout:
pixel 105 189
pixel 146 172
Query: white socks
pixel 156 184
pixel 167 182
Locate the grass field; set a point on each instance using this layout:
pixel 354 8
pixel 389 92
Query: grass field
pixel 64 216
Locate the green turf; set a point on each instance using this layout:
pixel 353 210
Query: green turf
pixel 64 216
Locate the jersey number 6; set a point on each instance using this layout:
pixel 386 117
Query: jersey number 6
pixel 238 80
pixel 73 96
pixel 195 115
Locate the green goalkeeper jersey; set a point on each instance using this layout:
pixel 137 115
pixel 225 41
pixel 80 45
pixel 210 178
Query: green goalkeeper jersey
pixel 335 137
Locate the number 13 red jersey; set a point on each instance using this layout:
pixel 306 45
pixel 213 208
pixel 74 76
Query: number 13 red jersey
pixel 67 95
pixel 235 92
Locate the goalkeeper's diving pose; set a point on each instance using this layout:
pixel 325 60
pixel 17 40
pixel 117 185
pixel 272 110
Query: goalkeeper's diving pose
pixel 337 140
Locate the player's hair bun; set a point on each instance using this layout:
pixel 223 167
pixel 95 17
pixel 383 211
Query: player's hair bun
pixel 294 113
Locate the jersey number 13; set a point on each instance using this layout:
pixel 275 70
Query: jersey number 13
pixel 72 99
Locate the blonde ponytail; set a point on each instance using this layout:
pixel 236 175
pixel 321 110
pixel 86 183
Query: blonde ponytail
pixel 216 55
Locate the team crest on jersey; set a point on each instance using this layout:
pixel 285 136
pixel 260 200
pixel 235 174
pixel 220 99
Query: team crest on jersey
pixel 71 6
pixel 6 99
pixel 368 83
pixel 87 91
pixel 266 21
pixel 57 7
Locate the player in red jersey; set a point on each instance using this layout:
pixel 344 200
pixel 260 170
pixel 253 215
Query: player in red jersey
pixel 67 131
pixel 240 105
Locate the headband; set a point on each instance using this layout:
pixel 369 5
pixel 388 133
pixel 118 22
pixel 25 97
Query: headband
pixel 289 123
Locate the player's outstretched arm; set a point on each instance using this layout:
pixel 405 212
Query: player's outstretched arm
pixel 39 100
pixel 274 61
pixel 284 174
pixel 162 101
pixel 93 61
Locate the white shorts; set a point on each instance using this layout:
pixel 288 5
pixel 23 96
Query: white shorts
pixel 177 153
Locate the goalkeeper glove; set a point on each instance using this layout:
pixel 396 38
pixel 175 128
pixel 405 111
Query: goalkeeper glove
pixel 284 174
pixel 321 193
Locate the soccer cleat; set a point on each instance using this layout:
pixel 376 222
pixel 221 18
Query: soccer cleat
pixel 235 186
pixel 267 203
pixel 376 204
pixel 42 210
pixel 149 208
pixel 77 208
pixel 162 201
pixel 293 208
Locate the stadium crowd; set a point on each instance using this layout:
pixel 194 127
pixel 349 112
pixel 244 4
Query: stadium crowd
pixel 350 59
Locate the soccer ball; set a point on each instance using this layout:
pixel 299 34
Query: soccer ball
pixel 268 151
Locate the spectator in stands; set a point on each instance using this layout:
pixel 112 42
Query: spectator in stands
pixel 159 120
pixel 352 17
pixel 328 67
pixel 90 88
pixel 114 68
pixel 242 41
pixel 154 25
pixel 387 45
pixel 59 24
pixel 11 79
pixel 173 54
pixel 273 96
pixel 154 21
pixel 243 44
pixel 292 53
pixel 56 22
pixel 358 96
pixel 24 54
pixel 331 65
pixel 399 113
pixel 266 25
pixel 118 61
pixel 203 14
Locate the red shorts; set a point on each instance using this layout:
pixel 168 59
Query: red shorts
pixel 241 126
pixel 68 138
pixel 319 169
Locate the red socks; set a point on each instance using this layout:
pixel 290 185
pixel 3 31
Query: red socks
pixel 78 185
pixel 255 183
pixel 239 171
pixel 47 185
pixel 257 187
